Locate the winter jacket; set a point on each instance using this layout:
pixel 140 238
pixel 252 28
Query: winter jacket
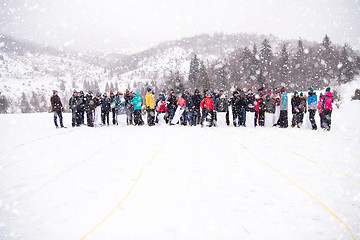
pixel 89 103
pixel 56 103
pixel 97 101
pixel 250 103
pixel 136 101
pixel 284 101
pixel 161 106
pixel 259 105
pixel 312 101
pixel 74 103
pixel 221 104
pixel 269 105
pixel 197 100
pixel 320 104
pixel 150 101
pixel 105 106
pixel 128 100
pixel 190 106
pixel 328 100
pixel 207 103
pixel 172 102
pixel 112 101
pixel 181 102
pixel 303 107
pixel 295 104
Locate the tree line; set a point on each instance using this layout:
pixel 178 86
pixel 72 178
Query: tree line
pixel 319 65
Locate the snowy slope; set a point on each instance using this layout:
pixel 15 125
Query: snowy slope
pixel 179 182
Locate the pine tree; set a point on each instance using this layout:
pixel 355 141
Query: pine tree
pixel 205 81
pixel 34 102
pixel 117 86
pixel 246 65
pixel 265 59
pixel 347 66
pixel 43 105
pixel 4 104
pixel 24 104
pixel 327 62
pixel 62 86
pixel 298 67
pixel 112 88
pixel 284 66
pixel 176 82
pixel 194 72
pixel 96 87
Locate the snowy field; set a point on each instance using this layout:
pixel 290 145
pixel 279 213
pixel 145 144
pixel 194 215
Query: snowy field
pixel 179 182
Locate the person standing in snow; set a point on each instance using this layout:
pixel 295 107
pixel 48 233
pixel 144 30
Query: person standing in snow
pixel 197 100
pixel 128 107
pixel 112 104
pixel 260 109
pixel 81 108
pixel 137 103
pixel 327 108
pixel 222 107
pixel 283 109
pixel 250 106
pixel 89 108
pixel 161 108
pixel 74 105
pixel 320 107
pixel 172 105
pixel 236 108
pixel 105 109
pixel 190 107
pixel 295 105
pixel 182 105
pixel 312 104
pixel 57 107
pixel 157 107
pixel 150 107
pixel 208 106
pixel 303 109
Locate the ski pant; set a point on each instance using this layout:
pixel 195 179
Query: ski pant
pixel 236 118
pixel 137 118
pixel 75 118
pixel 58 114
pixel 90 118
pixel 205 112
pixel 105 117
pixel 189 117
pixel 322 119
pixel 197 116
pixel 129 116
pixel 81 119
pixel 312 118
pixel 300 118
pixel 183 119
pixel 283 121
pixel 261 118
pixel 113 116
pixel 327 119
pixel 242 116
pixel 171 114
pixel 151 117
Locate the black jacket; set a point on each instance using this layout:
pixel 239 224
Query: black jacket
pixel 56 103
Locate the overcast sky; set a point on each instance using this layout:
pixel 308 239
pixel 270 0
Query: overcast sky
pixel 114 24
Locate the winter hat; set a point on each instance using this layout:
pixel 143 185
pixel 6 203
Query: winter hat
pixel 82 92
pixel 301 94
pixel 54 91
pixel 163 98
pixel 311 88
pixel 148 89
pixel 111 92
pixel 104 95
pixel 295 92
pixel 328 89
pixel 98 94
pixel 282 89
pixel 196 91
pixel 75 91
pixel 127 91
pixel 90 92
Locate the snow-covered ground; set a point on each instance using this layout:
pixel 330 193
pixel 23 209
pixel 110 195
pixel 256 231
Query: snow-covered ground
pixel 179 182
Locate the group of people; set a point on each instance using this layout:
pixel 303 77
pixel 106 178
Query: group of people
pixel 246 108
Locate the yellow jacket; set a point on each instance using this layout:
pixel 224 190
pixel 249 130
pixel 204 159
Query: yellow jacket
pixel 150 100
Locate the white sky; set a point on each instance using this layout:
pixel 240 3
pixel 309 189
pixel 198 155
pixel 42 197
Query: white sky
pixel 114 24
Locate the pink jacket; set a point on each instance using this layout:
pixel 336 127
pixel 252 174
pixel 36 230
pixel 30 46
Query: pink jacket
pixel 328 100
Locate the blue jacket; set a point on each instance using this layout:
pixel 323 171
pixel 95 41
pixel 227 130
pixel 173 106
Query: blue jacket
pixel 312 101
pixel 284 101
pixel 136 101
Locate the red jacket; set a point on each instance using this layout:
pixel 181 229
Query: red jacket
pixel 207 103
pixel 181 102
